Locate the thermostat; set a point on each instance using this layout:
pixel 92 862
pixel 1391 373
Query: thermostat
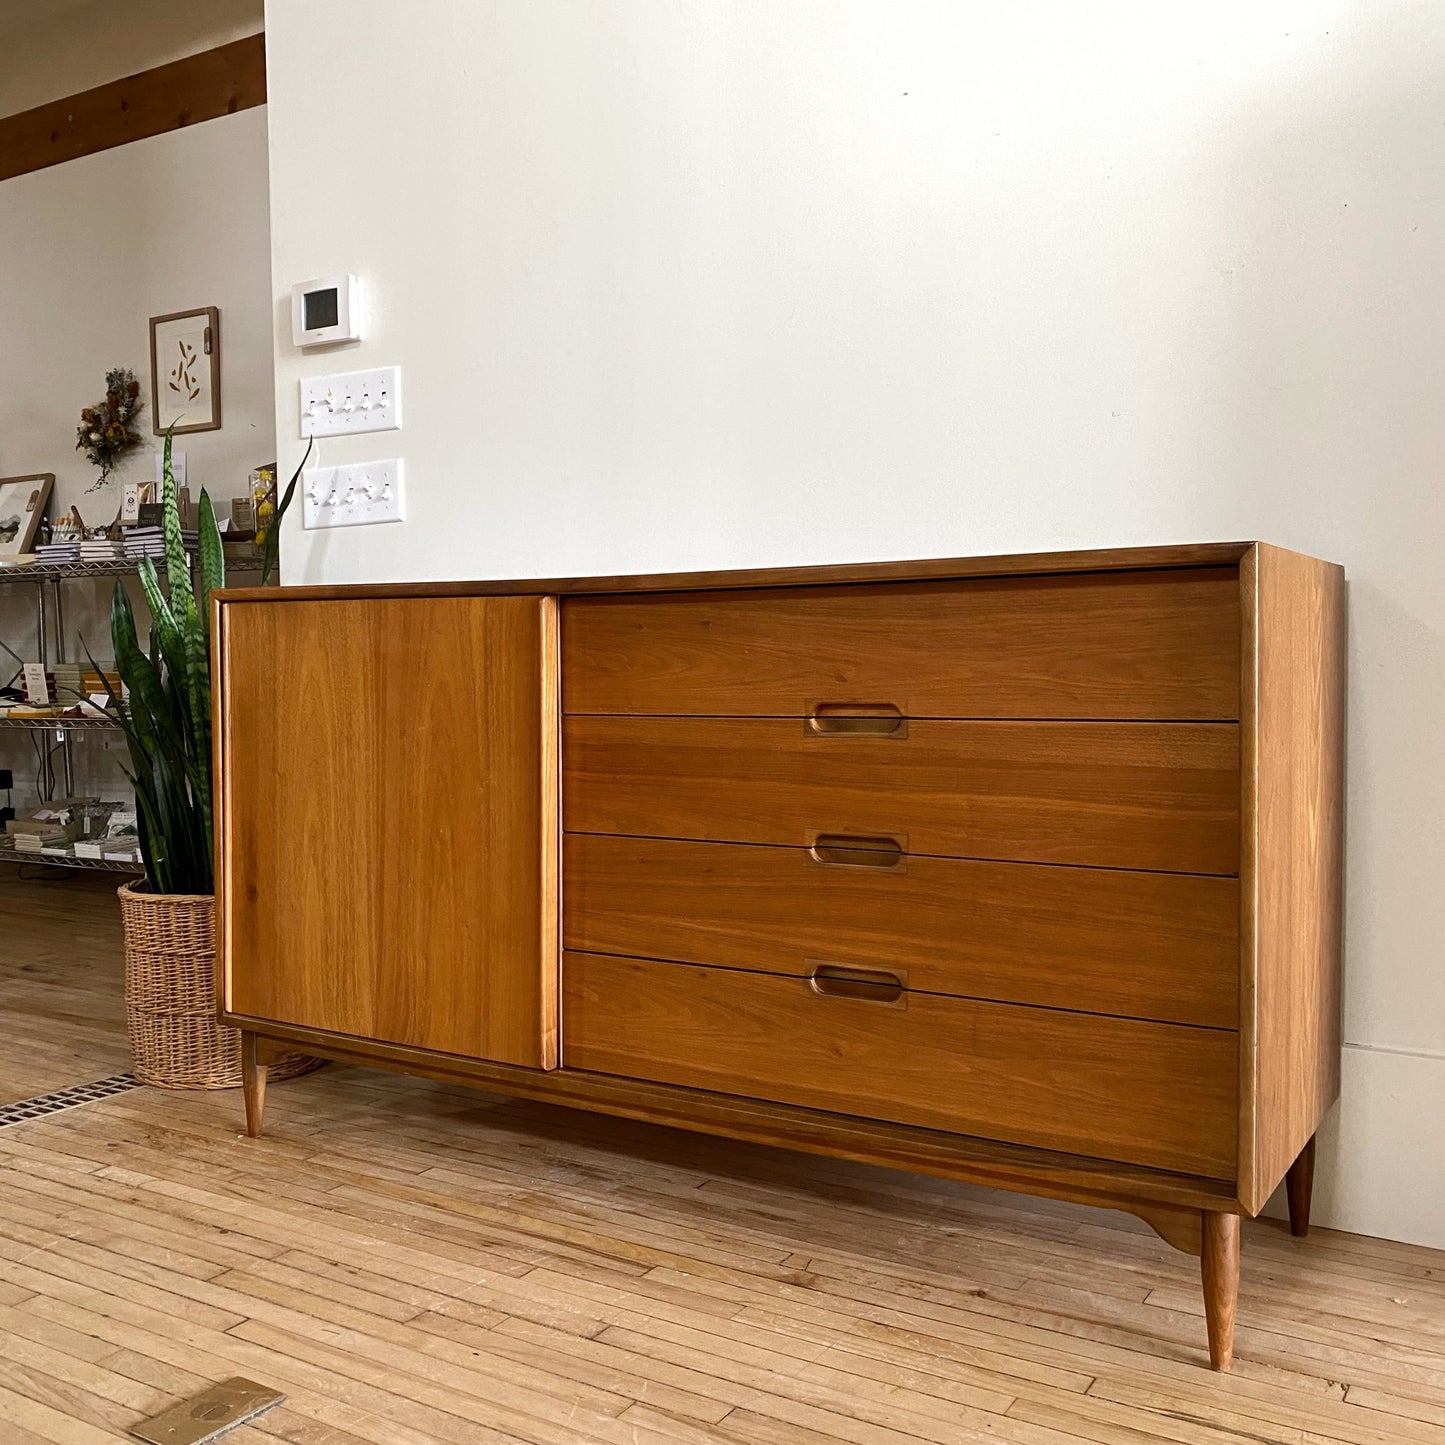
pixel 326 309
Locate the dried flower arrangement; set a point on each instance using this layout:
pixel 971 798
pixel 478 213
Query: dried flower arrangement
pixel 104 433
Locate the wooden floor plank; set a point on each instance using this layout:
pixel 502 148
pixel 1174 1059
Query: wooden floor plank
pixel 418 1264
pixel 60 957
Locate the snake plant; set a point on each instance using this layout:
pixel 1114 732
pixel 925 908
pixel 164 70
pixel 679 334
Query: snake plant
pixel 166 717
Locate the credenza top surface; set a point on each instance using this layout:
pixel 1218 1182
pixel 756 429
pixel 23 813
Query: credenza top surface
pixel 1197 554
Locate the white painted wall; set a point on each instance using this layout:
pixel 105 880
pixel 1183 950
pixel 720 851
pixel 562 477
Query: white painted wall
pixel 92 249
pixel 679 283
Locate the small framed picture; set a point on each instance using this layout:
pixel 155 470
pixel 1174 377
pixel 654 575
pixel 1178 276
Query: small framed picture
pixel 22 505
pixel 186 371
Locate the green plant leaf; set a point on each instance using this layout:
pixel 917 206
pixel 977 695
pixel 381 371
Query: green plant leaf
pixel 165 625
pixel 151 802
pixel 145 833
pixel 213 557
pixel 198 686
pixel 152 712
pixel 271 547
pixel 167 718
pixel 178 572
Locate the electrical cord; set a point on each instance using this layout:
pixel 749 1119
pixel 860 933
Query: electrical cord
pixel 46 873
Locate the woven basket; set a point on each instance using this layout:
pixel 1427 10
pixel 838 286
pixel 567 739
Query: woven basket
pixel 170 995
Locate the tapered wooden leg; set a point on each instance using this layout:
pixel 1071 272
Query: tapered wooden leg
pixel 253 1084
pixel 1219 1267
pixel 1299 1184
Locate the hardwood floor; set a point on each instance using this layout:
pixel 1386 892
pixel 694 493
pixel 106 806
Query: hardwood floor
pixel 61 981
pixel 415 1264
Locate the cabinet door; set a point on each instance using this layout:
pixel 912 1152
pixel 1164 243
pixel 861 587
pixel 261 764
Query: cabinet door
pixel 387 824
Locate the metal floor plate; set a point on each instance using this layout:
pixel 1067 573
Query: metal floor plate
pixel 209 1415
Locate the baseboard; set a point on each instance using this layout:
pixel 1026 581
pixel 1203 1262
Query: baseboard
pixel 1380 1169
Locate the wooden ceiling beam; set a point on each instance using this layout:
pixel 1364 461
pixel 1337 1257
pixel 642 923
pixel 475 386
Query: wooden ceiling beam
pixel 185 92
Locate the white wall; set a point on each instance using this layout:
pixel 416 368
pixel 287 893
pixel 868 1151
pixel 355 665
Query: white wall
pixel 677 283
pixel 92 249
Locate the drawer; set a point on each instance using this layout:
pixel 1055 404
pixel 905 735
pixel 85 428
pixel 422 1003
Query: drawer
pixel 1102 645
pixel 1152 1094
pixel 1160 796
pixel 1141 945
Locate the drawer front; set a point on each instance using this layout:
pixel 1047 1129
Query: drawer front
pixel 1141 945
pixel 1161 796
pixel 1152 1094
pixel 1142 645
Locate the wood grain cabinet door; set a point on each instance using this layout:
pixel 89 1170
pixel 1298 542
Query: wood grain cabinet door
pixel 387 829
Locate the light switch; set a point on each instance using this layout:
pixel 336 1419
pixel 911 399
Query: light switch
pixel 351 401
pixel 357 494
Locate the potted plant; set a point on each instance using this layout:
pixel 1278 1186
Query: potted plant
pixel 170 928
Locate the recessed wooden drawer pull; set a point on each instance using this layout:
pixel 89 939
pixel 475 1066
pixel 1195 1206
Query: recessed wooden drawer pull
pixel 842 850
pixel 848 719
pixel 869 985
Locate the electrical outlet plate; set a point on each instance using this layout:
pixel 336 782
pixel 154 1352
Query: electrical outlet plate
pixel 356 494
pixel 351 401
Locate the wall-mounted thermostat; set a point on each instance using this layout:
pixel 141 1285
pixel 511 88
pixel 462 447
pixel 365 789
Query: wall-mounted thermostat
pixel 326 309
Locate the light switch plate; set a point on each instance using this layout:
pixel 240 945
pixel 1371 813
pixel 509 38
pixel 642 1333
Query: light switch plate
pixel 356 494
pixel 351 401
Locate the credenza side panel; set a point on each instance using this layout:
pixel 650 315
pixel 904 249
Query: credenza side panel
pixel 1292 886
pixel 388 848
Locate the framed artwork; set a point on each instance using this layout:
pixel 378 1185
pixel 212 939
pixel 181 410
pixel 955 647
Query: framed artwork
pixel 186 371
pixel 22 505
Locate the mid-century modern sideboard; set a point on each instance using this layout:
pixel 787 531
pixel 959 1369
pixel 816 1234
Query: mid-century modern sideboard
pixel 1018 870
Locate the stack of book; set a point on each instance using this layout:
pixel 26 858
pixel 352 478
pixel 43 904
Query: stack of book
pixel 69 683
pixel 121 843
pixel 68 551
pixel 151 542
pixel 101 549
pixel 66 681
pixel 110 833
pixel 94 683
pixel 30 709
pixel 145 542
pixel 52 825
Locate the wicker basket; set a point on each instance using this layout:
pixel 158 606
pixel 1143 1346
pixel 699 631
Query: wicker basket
pixel 170 995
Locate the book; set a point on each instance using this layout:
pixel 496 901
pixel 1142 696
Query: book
pixel 61 820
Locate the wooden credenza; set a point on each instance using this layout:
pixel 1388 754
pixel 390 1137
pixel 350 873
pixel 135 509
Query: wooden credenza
pixel 1018 870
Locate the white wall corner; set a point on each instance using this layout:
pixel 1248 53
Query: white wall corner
pixel 1380 1167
